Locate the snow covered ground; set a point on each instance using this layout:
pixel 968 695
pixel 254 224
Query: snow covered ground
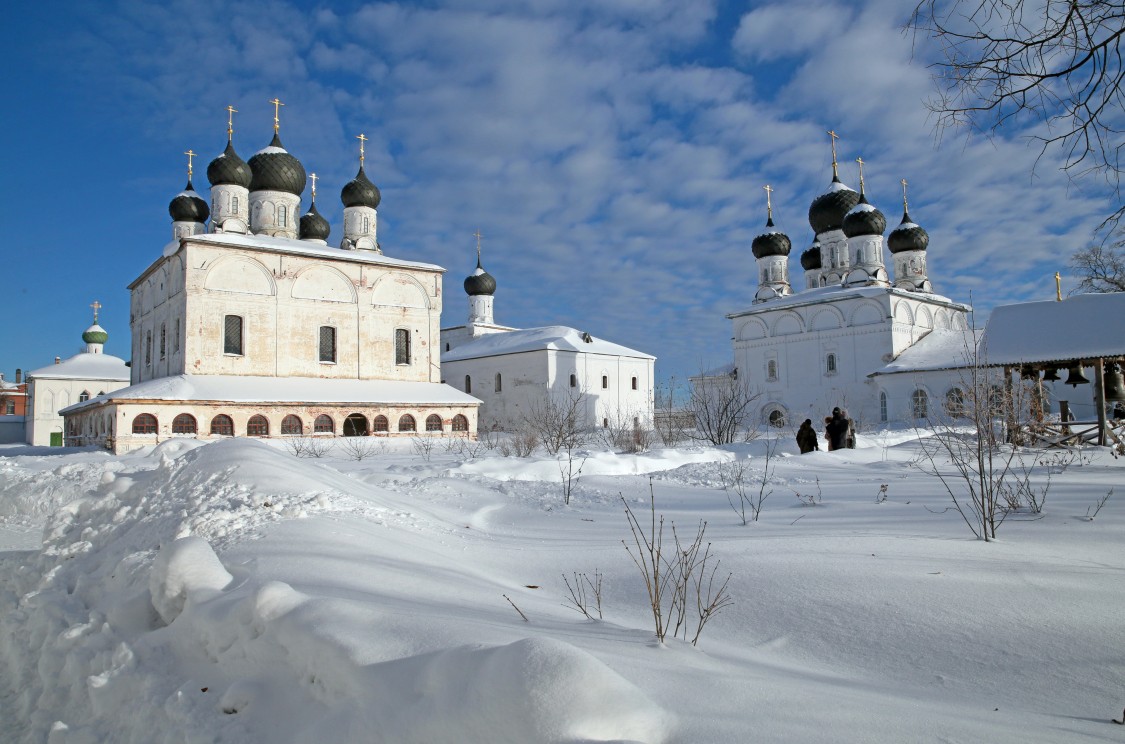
pixel 232 592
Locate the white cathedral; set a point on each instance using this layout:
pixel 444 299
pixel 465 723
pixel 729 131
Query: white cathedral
pixel 250 324
pixel 882 345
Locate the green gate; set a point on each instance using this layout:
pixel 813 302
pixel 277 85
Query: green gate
pixel 56 438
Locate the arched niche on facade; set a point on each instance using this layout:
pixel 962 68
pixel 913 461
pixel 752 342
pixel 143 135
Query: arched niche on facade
pixel 941 320
pixel 959 323
pixel 399 290
pixel 826 319
pixel 752 329
pixel 788 324
pixel 903 313
pixel 866 313
pixel 240 274
pixel 924 318
pixel 325 283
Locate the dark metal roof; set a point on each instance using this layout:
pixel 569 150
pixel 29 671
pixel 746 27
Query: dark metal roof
pixel 360 192
pixel 908 236
pixel 864 219
pixel 481 283
pixel 810 259
pixel 827 210
pixel 188 206
pixel 313 225
pixel 228 168
pixel 274 169
pixel 771 243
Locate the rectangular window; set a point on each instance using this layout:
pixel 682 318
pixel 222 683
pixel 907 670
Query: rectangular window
pixel 282 216
pixel 232 335
pixel 234 205
pixel 327 344
pixel 634 383
pixel 605 382
pixel 402 346
pixel 148 347
pixel 176 338
pixel 830 364
pixel 574 380
pixel 163 339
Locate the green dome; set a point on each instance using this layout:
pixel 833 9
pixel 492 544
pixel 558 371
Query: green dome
pixel 95 334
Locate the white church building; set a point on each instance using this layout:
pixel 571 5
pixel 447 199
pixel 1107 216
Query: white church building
pixel 252 325
pixel 513 370
pixel 882 345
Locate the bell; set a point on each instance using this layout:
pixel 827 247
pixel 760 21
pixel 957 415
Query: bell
pixel 1027 372
pixel 1050 375
pixel 1114 383
pixel 1075 376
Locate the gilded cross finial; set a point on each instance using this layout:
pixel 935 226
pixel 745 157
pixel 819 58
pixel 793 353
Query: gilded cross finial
pixel 231 111
pixel 97 306
pixel 904 207
pixel 478 236
pixel 1058 289
pixel 769 204
pixel 276 109
pixel 860 161
pixel 834 136
pixel 313 177
pixel 362 138
pixel 190 155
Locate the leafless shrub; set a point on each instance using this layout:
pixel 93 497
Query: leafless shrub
pixel 1097 507
pixel 517 609
pixel 720 407
pixel 810 498
pixel 309 446
pixel 882 495
pixel 670 422
pixel 583 592
pixel 361 448
pixel 521 442
pixel 558 420
pixel 673 583
pixel 423 446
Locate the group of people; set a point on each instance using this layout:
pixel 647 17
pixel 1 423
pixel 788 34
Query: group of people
pixel 839 432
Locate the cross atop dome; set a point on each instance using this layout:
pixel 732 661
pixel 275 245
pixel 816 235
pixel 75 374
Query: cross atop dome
pixel 362 138
pixel 97 306
pixel 276 110
pixel 231 111
pixel 835 173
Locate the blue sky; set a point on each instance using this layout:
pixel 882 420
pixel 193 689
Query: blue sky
pixel 612 152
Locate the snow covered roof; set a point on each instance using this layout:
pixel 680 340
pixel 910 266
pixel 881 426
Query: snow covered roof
pixel 939 349
pixel 287 245
pixel 562 338
pixel 248 389
pixel 1080 327
pixel 85 366
pixel 835 292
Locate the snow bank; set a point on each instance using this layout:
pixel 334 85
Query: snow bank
pixel 595 463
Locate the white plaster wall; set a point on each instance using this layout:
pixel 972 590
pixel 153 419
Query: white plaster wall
pixel 47 396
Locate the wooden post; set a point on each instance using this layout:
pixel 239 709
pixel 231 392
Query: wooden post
pixel 1064 415
pixel 1099 398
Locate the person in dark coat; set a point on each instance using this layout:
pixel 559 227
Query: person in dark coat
pixel 806 437
pixel 837 430
pixel 827 439
pixel 851 429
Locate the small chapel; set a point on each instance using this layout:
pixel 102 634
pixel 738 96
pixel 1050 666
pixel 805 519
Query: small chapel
pixel 884 345
pixel 249 323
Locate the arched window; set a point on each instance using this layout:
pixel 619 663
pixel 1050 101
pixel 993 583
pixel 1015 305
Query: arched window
pixel 777 418
pixel 355 425
pixel 366 223
pixel 184 424
pixel 605 423
pixel 324 424
pixel 232 335
pixel 327 344
pixel 574 380
pixel 84 396
pixel 433 422
pixel 234 204
pixel 101 392
pixel 406 423
pixel 460 423
pixel 402 346
pixel 468 384
pixel 955 402
pixel 830 364
pixel 222 426
pixel 499 383
pixel 920 404
pixel 605 382
pixel 282 216
pixel 771 370
pixel 292 425
pixel 380 424
pixel 258 426
pixel 144 423
pixel 634 383
pixel 882 405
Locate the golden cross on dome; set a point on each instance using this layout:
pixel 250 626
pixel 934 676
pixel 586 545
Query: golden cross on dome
pixel 231 111
pixel 362 138
pixel 1058 289
pixel 834 136
pixel 860 161
pixel 904 207
pixel 190 155
pixel 97 306
pixel 276 109
pixel 769 205
pixel 478 236
pixel 313 178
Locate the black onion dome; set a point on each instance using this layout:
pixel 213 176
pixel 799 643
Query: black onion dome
pixel 908 236
pixel 480 282
pixel 864 219
pixel 228 168
pixel 771 242
pixel 313 225
pixel 188 206
pixel 810 259
pixel 827 210
pixel 360 192
pixel 274 169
